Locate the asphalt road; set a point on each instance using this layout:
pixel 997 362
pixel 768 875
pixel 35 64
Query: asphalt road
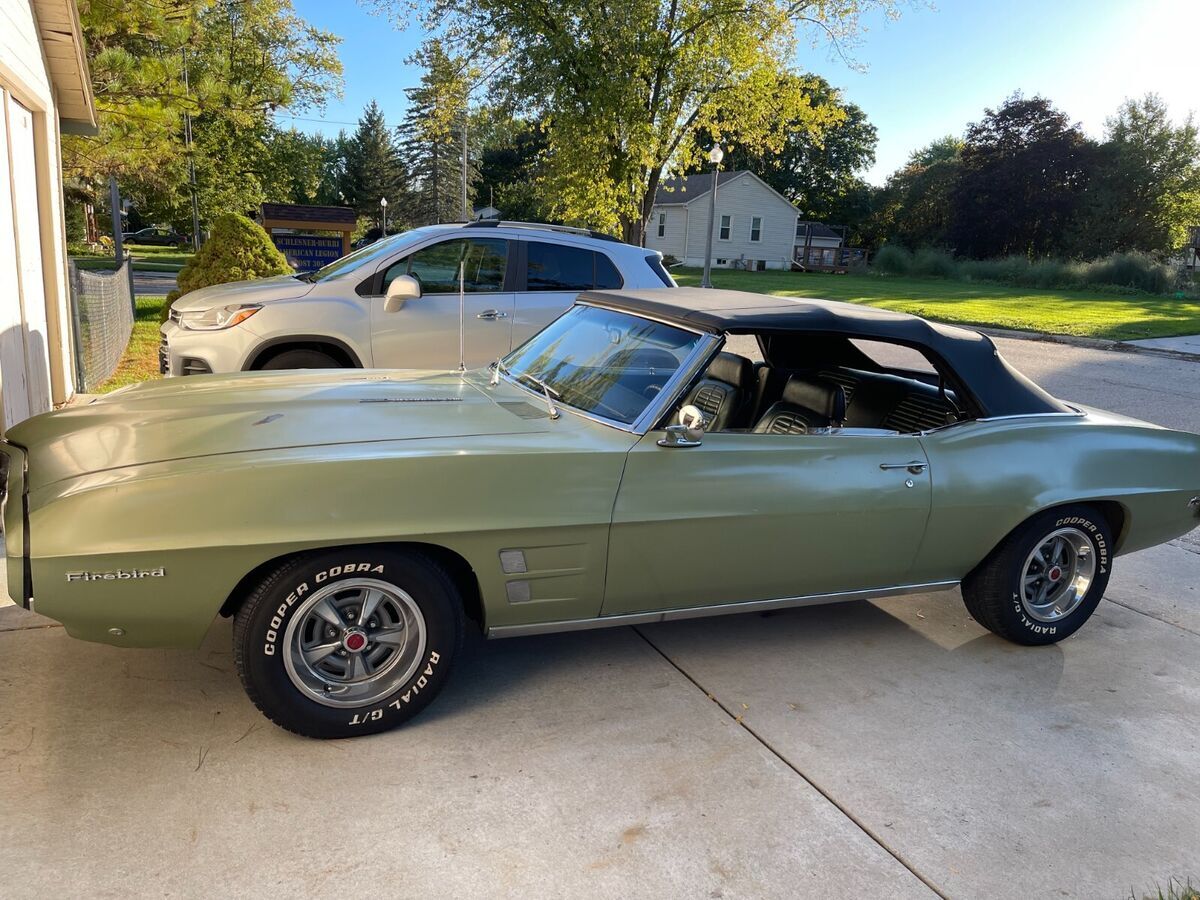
pixel 885 749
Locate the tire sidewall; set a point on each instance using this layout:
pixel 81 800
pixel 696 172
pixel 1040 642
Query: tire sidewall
pixel 302 359
pixel 1096 528
pixel 263 648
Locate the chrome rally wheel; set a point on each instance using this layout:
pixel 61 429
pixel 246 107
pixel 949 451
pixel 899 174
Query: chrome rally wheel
pixel 351 641
pixel 354 642
pixel 1057 575
pixel 1043 581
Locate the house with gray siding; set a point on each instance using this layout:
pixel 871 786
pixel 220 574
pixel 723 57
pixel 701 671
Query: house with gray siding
pixel 755 226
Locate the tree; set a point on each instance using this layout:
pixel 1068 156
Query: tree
pixel 301 168
pixel 226 63
pixel 510 166
pixel 1024 170
pixel 432 137
pixel 915 207
pixel 623 87
pixel 373 170
pixel 817 166
pixel 1146 189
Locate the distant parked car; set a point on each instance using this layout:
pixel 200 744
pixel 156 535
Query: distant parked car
pixel 156 236
pixel 395 303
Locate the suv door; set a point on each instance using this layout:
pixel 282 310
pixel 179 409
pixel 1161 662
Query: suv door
pixel 553 275
pixel 423 334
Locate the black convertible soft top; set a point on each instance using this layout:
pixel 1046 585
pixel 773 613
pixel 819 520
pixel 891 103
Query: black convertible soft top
pixel 972 358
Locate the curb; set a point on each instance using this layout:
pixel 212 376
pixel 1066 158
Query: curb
pixel 1086 342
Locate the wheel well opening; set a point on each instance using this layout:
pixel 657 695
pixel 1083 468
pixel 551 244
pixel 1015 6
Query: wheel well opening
pixel 457 567
pixel 1117 517
pixel 334 351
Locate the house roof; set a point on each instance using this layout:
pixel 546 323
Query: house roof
pixel 820 229
pixel 684 189
pixel 66 62
pixel 294 212
pixel 1000 389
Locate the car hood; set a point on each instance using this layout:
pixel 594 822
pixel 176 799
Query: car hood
pixel 220 414
pixel 260 290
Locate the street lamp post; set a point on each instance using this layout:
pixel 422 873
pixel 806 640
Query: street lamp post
pixel 383 215
pixel 715 155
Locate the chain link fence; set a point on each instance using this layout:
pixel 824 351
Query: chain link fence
pixel 102 304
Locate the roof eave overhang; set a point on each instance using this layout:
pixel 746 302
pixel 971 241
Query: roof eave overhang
pixel 66 62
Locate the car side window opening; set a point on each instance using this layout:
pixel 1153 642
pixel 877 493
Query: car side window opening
pixel 560 267
pixel 437 267
pixel 819 384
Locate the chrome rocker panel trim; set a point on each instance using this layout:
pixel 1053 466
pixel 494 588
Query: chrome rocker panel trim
pixel 697 612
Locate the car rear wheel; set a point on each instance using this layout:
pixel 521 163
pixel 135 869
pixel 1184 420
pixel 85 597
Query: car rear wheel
pixel 348 642
pixel 1045 579
pixel 301 359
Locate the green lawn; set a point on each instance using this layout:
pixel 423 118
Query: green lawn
pixel 1095 314
pixel 145 259
pixel 140 362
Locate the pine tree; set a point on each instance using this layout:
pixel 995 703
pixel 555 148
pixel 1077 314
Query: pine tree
pixel 373 169
pixel 432 139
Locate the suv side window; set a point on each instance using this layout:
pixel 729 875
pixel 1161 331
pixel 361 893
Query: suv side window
pixel 559 267
pixel 436 266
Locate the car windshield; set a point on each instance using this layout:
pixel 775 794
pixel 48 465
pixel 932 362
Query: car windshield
pixel 368 254
pixel 605 363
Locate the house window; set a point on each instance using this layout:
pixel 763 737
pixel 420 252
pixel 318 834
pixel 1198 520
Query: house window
pixel 726 227
pixel 662 224
pixel 756 229
pixel 722 262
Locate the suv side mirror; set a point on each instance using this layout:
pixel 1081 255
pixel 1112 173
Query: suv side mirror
pixel 689 432
pixel 402 289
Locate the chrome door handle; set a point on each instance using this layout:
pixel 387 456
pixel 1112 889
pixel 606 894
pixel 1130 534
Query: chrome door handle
pixel 915 467
pixel 492 314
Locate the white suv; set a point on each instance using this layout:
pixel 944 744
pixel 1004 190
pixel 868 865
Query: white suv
pixel 395 303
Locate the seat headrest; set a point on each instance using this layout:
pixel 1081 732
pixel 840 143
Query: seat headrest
pixel 731 369
pixel 826 398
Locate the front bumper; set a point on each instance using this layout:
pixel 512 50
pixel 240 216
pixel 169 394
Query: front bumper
pixel 185 352
pixel 14 507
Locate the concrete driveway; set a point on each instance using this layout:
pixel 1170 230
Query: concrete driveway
pixel 874 749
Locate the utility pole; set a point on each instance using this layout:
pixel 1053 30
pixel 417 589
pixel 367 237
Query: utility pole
pixel 114 200
pixel 187 143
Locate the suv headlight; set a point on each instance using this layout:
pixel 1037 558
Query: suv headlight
pixel 218 317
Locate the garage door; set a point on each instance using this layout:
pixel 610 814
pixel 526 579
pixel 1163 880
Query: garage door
pixel 24 353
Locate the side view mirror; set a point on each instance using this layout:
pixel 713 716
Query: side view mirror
pixel 689 432
pixel 402 289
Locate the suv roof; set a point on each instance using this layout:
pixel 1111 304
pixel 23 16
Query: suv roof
pixel 542 226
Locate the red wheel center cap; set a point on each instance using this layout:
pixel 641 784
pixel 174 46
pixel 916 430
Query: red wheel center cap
pixel 355 641
pixel 1055 573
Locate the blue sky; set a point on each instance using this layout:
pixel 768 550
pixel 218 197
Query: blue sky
pixel 926 75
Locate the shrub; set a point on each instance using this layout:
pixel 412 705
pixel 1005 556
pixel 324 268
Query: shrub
pixel 893 260
pixel 669 261
pixel 238 250
pixel 936 263
pixel 1132 270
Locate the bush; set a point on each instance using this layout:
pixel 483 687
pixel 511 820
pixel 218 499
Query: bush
pixel 893 260
pixel 237 250
pixel 1132 270
pixel 935 263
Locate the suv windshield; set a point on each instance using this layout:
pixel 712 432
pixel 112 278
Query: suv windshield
pixel 606 363
pixel 381 248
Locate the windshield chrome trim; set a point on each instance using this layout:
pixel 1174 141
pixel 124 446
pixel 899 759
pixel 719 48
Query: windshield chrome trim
pixel 718 609
pixel 670 390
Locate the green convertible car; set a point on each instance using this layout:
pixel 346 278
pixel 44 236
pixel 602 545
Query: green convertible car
pixel 649 456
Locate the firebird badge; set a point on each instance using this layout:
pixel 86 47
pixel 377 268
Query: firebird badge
pixel 119 575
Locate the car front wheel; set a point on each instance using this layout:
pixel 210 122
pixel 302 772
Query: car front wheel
pixel 348 642
pixel 1045 579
